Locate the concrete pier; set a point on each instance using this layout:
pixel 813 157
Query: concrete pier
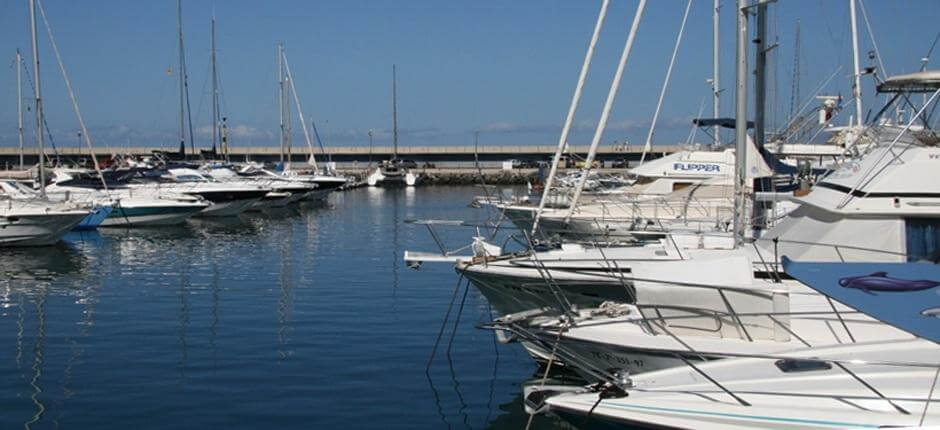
pixel 440 155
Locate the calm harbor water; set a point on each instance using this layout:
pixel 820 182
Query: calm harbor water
pixel 301 318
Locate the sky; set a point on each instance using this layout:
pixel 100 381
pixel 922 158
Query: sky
pixel 504 68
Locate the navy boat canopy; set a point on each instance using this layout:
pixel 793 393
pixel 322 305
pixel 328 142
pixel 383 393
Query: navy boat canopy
pixel 722 122
pixel 904 295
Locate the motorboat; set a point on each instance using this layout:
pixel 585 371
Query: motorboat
pixel 226 198
pixel 37 222
pixel 853 385
pixel 129 206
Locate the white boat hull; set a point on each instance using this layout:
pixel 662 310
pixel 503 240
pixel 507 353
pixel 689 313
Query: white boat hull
pixel 37 230
pixel 228 208
pixel 136 218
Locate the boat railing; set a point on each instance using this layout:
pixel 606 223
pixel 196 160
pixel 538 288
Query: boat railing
pixel 792 361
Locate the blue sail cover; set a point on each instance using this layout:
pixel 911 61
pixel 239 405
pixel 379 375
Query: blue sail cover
pixel 905 295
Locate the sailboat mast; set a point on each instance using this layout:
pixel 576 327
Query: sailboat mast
pixel 300 113
pixel 280 94
pixel 608 105
pixel 38 94
pixel 662 93
pixel 179 28
pixel 740 123
pixel 857 86
pixel 394 114
pixel 572 109
pixel 215 91
pixel 760 75
pixel 19 101
pixel 716 85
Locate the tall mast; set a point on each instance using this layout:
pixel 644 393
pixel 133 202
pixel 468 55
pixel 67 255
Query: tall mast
pixel 572 109
pixel 280 95
pixel 662 93
pixel 795 86
pixel 179 28
pixel 760 75
pixel 394 115
pixel 857 87
pixel 608 105
pixel 19 101
pixel 68 86
pixel 215 91
pixel 300 113
pixel 38 94
pixel 740 123
pixel 716 84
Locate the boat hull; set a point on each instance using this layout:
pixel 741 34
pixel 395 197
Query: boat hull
pixel 146 216
pixel 37 230
pixel 228 208
pixel 97 216
pixel 510 294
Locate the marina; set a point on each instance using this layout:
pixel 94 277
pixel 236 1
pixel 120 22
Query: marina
pixel 747 267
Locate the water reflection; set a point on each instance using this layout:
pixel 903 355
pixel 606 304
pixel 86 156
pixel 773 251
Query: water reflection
pixel 40 263
pixel 183 324
pixel 285 302
pixel 38 362
pixel 178 319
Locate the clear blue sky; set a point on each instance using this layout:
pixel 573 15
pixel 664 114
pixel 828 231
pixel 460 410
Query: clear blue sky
pixel 506 68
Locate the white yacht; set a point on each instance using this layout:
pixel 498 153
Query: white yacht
pixel 37 222
pixel 283 192
pixel 226 198
pixel 854 385
pixel 689 189
pixel 129 206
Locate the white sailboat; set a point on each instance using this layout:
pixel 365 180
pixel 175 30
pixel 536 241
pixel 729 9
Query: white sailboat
pixel 326 180
pixel 392 172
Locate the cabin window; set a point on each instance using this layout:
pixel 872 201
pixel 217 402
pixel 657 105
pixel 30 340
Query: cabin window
pixel 793 366
pixel 676 186
pixel 923 239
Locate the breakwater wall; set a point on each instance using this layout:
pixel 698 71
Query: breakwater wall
pixel 465 176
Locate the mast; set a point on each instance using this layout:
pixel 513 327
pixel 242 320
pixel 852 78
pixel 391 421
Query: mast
pixel 716 85
pixel 290 79
pixel 662 93
pixel 760 74
pixel 740 123
pixel 68 86
pixel 179 28
pixel 608 105
pixel 38 94
pixel 857 86
pixel 215 90
pixel 280 95
pixel 19 101
pixel 795 85
pixel 394 115
pixel 572 108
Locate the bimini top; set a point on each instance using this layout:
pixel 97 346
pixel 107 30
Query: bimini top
pixel 904 295
pixel 723 122
pixel 920 82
